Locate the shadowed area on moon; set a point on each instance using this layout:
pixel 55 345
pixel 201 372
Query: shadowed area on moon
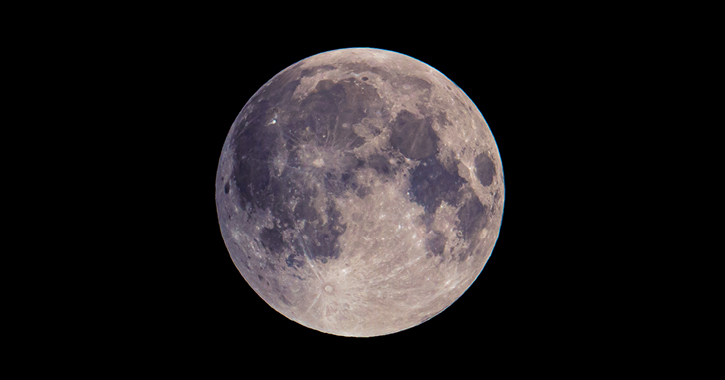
pixel 296 156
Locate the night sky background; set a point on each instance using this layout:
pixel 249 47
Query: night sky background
pixel 172 90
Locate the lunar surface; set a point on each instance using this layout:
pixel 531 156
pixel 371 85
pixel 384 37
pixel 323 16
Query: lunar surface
pixel 360 192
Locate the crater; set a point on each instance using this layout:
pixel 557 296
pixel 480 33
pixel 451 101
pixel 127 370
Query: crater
pixel 485 169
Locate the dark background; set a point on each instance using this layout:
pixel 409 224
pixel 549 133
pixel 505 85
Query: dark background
pixel 127 107
pixel 172 93
pixel 199 87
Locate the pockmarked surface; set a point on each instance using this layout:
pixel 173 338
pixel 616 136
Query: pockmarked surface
pixel 360 192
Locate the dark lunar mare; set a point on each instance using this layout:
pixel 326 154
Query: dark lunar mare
pixel 316 69
pixel 316 120
pixel 484 169
pixel 316 239
pixel 472 217
pixel 437 243
pixel 413 137
pixel 381 164
pixel 431 184
pixel 253 147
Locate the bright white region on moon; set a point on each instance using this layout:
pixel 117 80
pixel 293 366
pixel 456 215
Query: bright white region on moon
pixel 360 192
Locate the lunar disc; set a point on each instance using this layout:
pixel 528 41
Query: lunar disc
pixel 360 192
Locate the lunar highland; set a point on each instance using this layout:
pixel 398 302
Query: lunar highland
pixel 360 192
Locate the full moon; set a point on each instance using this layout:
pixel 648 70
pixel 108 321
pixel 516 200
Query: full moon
pixel 360 192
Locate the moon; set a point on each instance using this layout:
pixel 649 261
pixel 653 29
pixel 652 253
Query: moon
pixel 360 192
